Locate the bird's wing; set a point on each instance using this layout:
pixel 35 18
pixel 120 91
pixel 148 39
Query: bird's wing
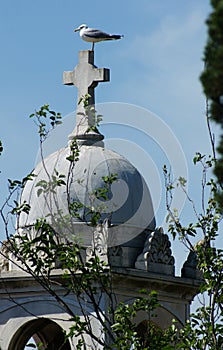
pixel 95 33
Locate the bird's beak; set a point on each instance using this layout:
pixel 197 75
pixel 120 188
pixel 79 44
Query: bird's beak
pixel 77 29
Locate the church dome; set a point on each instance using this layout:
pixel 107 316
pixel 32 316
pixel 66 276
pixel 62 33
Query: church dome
pixel 66 194
pixel 128 205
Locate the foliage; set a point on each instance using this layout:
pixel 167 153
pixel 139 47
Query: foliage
pixel 91 283
pixel 90 111
pixel 53 260
pixel 212 78
pixel 205 328
pixel 46 120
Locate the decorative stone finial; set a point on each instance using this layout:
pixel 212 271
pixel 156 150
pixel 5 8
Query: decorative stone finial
pixel 86 77
pixel 190 266
pixel 157 255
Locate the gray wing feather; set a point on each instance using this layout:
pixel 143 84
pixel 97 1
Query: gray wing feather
pixel 94 33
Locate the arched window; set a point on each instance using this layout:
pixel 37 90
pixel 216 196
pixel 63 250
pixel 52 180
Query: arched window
pixel 40 331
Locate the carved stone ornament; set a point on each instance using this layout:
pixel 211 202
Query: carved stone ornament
pixel 157 255
pixel 99 243
pixel 190 268
pixel 4 256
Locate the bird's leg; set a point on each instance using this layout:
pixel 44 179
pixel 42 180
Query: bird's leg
pixel 92 46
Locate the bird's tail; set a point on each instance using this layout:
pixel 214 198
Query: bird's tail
pixel 116 37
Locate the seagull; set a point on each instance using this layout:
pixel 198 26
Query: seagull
pixel 94 35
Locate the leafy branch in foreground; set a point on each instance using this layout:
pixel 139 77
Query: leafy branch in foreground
pixel 90 111
pixel 90 282
pixel 205 327
pixel 46 120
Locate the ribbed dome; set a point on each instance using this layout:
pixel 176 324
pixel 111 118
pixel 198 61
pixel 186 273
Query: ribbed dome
pixel 129 203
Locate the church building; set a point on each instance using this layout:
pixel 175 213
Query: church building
pixel 127 237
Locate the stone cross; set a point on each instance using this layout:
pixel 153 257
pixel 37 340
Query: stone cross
pixel 85 77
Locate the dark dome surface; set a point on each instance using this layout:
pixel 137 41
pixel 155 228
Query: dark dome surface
pixel 129 204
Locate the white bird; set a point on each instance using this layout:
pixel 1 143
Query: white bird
pixel 94 35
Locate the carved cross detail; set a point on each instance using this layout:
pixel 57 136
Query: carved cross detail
pixel 85 77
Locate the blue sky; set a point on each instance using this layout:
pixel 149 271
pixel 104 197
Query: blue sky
pixel 156 66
